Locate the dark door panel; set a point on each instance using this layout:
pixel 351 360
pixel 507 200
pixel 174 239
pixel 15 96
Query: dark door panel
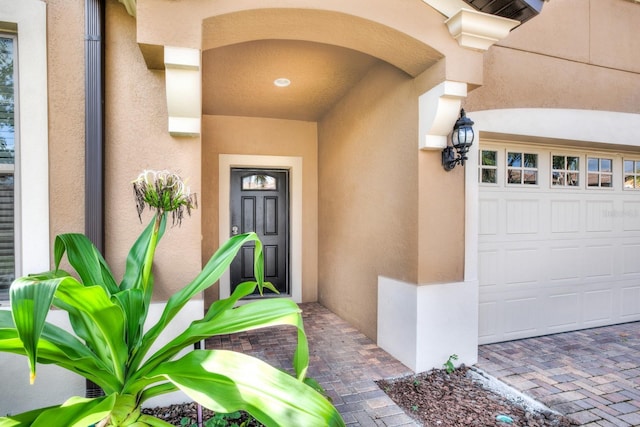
pixel 260 203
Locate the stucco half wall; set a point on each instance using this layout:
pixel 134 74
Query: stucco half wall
pixel 422 326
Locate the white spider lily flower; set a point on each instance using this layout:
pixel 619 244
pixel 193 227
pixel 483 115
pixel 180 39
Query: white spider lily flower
pixel 165 192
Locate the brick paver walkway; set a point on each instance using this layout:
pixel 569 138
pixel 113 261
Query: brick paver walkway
pixel 344 361
pixel 591 375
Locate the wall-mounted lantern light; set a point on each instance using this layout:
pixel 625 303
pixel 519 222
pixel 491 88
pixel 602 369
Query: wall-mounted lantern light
pixel 461 140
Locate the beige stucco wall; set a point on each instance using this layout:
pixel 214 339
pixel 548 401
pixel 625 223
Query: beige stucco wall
pixel 65 37
pixel 368 194
pixel 587 62
pixel 262 137
pixel 137 139
pixel 441 229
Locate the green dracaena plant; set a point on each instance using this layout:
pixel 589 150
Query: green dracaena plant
pixel 111 347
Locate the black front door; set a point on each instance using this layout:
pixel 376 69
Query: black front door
pixel 260 203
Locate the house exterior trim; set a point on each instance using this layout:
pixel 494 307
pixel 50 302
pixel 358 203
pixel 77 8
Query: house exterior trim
pixel 32 158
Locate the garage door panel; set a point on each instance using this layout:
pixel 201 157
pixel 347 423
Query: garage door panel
pixel 489 217
pixel 599 215
pixel 554 259
pixel 599 261
pixel 631 257
pixel 563 263
pixel 488 324
pixel 522 216
pixel 565 216
pixel 521 265
pixel 489 267
pixel 522 316
pixel 631 216
pixel 563 311
pixel 630 307
pixel 598 307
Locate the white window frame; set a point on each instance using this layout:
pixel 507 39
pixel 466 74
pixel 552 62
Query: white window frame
pixel 599 172
pixel 522 168
pixel 28 19
pixel 636 175
pixel 495 167
pixel 578 171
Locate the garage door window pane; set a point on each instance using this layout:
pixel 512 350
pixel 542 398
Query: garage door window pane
pixel 632 174
pixel 488 167
pixel 522 168
pixel 565 171
pixel 600 172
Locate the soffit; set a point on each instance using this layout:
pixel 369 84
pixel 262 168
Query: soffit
pixel 238 80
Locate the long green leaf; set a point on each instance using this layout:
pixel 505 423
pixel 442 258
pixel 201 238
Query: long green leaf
pixel 85 259
pixel 254 315
pixel 210 274
pixel 225 381
pixel 30 303
pixel 137 286
pixel 60 347
pixel 137 254
pixel 105 316
pixel 77 412
pixel 24 419
pixel 133 303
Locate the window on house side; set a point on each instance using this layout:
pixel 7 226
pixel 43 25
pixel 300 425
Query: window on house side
pixel 7 162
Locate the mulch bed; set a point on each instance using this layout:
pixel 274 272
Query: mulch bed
pixel 440 399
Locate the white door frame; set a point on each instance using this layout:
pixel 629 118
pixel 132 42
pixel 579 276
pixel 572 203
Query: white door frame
pixel 294 166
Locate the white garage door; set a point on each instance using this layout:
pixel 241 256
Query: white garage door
pixel 559 240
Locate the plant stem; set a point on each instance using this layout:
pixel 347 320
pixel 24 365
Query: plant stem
pixel 148 260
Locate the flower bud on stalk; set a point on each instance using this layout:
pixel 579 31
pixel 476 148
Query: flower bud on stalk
pixel 165 192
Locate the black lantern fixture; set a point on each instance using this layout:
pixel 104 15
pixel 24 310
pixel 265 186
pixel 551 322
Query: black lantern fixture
pixel 461 140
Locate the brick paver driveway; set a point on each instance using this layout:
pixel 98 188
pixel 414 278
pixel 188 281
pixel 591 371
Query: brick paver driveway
pixel 591 375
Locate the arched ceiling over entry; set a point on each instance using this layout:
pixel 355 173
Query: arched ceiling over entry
pixel 322 53
pixel 239 80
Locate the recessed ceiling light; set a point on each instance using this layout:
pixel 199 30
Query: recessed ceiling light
pixel 282 82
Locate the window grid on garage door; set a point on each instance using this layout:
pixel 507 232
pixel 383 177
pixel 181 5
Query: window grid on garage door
pixel 522 168
pixel 599 172
pixel 631 180
pixel 488 167
pixel 565 171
